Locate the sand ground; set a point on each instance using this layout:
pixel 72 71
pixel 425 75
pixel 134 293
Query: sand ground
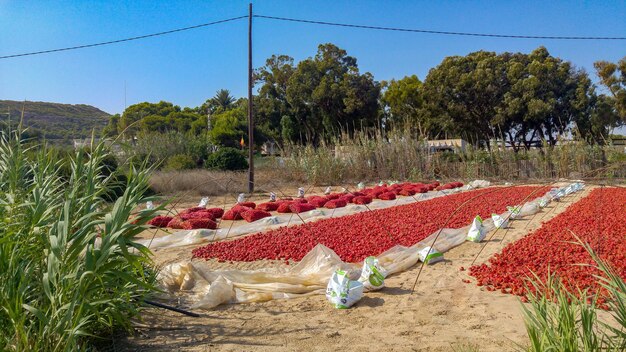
pixel 442 314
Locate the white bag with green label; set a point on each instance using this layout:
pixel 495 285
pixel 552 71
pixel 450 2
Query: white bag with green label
pixel 430 255
pixel 514 211
pixel 499 222
pixel 477 231
pixel 373 274
pixel 343 292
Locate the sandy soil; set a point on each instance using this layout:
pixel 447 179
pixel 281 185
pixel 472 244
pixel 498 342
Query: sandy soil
pixel 442 314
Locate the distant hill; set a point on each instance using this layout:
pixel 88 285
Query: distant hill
pixel 60 122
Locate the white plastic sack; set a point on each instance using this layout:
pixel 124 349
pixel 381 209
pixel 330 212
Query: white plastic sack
pixel 430 255
pixel 514 211
pixel 343 292
pixel 499 221
pixel 241 197
pixel 301 192
pixel 476 232
pixel 272 197
pixel 149 205
pixel 360 186
pixel 372 275
pixel 327 190
pixel 203 202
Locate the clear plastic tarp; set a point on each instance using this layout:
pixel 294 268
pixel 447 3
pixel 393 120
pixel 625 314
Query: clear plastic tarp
pixel 188 237
pixel 200 287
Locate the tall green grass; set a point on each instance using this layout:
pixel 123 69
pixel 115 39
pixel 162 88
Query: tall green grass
pixel 558 320
pixel 69 268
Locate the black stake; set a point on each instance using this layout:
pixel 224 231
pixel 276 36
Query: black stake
pixel 174 309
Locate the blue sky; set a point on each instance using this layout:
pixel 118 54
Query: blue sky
pixel 186 68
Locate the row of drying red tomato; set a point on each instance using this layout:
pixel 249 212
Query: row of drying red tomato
pixel 598 219
pixel 354 237
pixel 201 218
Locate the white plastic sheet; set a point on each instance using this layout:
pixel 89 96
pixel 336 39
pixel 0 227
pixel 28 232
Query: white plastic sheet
pixel 188 237
pixel 204 288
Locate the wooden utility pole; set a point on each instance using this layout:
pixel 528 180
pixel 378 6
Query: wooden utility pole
pixel 250 120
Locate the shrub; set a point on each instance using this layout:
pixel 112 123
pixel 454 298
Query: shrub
pixel 179 162
pixel 170 143
pixel 227 159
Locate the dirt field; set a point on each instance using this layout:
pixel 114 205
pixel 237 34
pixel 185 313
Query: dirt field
pixel 443 314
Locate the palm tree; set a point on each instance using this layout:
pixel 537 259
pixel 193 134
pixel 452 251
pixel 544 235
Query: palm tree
pixel 222 100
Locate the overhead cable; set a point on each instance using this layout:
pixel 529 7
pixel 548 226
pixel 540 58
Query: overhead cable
pixel 427 31
pixel 122 40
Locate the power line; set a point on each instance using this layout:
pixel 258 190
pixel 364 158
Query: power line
pixel 123 40
pixel 426 31
pixel 439 32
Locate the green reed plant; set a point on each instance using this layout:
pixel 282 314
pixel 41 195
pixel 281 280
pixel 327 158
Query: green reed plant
pixel 69 268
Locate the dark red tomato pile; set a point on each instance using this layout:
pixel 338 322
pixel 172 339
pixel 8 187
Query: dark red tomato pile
pixel 599 219
pixel 245 210
pixel 354 237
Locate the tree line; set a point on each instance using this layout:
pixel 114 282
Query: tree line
pixel 518 98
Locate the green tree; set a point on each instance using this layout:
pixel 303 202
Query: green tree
pixel 111 128
pixel 160 117
pixel 514 96
pixel 228 128
pixel 327 95
pixel 602 119
pixel 288 128
pixel 270 103
pixel 155 123
pixel 545 97
pixel 613 77
pixel 464 92
pixel 403 103
pixel 184 121
pixel 220 102
pixel 137 112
